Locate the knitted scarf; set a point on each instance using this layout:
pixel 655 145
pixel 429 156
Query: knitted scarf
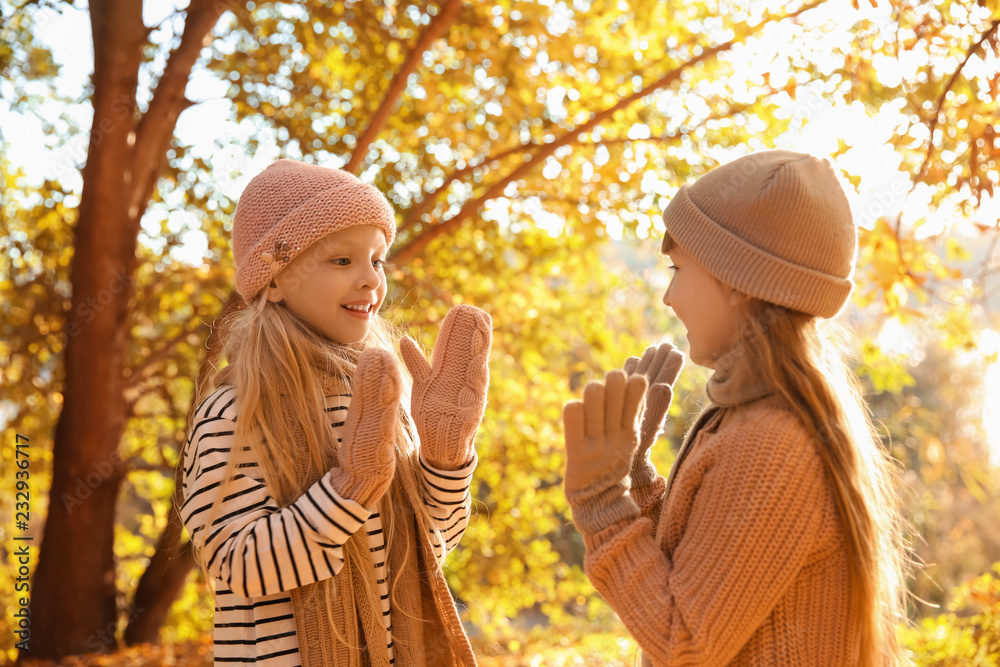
pixel 339 620
pixel 737 379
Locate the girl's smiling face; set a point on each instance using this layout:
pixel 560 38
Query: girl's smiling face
pixel 337 284
pixel 709 309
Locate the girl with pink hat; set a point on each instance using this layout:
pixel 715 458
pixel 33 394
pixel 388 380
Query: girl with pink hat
pixel 319 505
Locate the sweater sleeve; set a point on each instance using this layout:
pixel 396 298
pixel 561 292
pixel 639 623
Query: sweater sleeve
pixel 252 546
pixel 446 495
pixel 752 524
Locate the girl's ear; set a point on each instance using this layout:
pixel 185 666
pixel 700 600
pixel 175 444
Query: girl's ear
pixel 274 293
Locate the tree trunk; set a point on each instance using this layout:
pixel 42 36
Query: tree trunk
pixel 164 578
pixel 74 595
pixel 160 584
pixel 73 602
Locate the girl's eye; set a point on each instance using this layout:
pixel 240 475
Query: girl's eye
pixel 377 263
pixel 341 261
pixel 672 267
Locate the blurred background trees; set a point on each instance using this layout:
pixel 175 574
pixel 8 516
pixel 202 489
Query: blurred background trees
pixel 528 148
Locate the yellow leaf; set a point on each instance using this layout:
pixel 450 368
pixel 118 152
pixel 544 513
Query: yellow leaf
pixel 896 297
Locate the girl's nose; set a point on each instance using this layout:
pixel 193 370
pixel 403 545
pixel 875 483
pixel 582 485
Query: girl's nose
pixel 369 278
pixel 666 296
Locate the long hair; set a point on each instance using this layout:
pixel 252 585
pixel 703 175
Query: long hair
pixel 804 362
pixel 275 365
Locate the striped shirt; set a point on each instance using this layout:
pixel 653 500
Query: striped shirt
pixel 257 553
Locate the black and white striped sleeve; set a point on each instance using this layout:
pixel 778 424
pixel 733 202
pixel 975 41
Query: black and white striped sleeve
pixel 446 495
pixel 252 546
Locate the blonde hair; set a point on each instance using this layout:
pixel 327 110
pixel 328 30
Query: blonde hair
pixel 273 357
pixel 804 362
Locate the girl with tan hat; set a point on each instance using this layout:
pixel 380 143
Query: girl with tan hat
pixel 320 507
pixel 775 539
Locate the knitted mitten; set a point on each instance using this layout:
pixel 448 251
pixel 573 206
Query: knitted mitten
pixel 367 453
pixel 601 437
pixel 449 395
pixel 660 365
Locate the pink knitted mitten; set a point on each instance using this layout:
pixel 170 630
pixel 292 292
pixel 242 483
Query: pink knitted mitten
pixel 367 453
pixel 601 437
pixel 660 365
pixel 449 395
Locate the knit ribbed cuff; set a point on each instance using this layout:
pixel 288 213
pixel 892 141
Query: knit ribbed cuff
pixel 608 541
pixel 643 472
pixel 364 490
pixel 597 512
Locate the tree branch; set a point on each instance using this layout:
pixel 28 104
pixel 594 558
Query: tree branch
pixel 155 130
pixel 415 212
pixel 939 107
pixel 437 27
pixel 935 119
pixel 732 111
pixel 414 247
pixel 163 352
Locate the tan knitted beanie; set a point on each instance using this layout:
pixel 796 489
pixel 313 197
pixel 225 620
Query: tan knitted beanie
pixel 291 205
pixel 775 225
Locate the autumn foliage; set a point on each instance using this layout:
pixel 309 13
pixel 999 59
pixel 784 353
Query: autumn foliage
pixel 528 149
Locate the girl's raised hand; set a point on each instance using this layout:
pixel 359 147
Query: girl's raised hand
pixel 660 365
pixel 601 437
pixel 449 394
pixel 367 454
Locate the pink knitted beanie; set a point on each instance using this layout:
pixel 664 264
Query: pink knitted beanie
pixel 291 205
pixel 775 225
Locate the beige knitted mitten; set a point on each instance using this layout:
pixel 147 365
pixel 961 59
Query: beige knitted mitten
pixel 367 453
pixel 660 365
pixel 449 395
pixel 601 437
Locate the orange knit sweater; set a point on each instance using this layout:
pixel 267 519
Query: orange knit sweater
pixel 743 561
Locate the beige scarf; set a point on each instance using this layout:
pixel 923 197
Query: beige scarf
pixel 737 379
pixel 426 630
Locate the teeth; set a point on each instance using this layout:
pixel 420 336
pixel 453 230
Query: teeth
pixel 364 308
